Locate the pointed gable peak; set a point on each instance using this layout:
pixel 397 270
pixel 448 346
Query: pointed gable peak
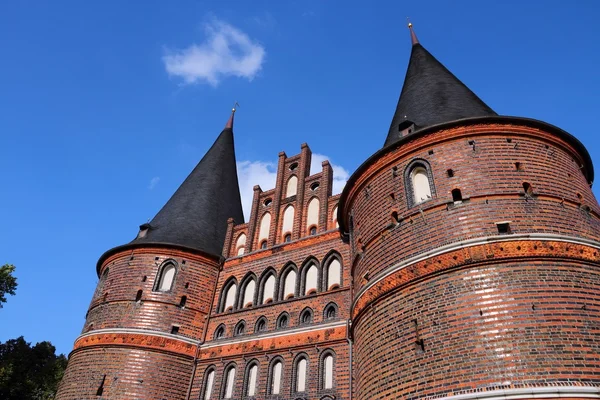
pixel 431 95
pixel 196 215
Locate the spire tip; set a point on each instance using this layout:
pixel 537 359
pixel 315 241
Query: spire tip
pixel 413 36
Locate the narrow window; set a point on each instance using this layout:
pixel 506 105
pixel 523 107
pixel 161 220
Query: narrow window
pixel 420 185
pixel 330 311
pixel 289 285
pixel 220 332
pixel 229 383
pixel 312 231
pixel 138 296
pixel 230 297
pixel 208 384
pixel 301 375
pixel 456 196
pixel 518 166
pixel 312 217
pixel 334 217
pixel 306 317
pixel 240 328
pixel 263 244
pixel 240 244
pixel 174 329
pixel 311 278
pixel 261 325
pixel 183 301
pixel 251 380
pixel 328 372
pixel 276 377
pixel 503 227
pixel 334 274
pixel 249 290
pixel 265 225
pixel 166 278
pixel 292 186
pixel 269 290
pixel 288 220
pixel 450 173
pixel 282 321
pixel 287 238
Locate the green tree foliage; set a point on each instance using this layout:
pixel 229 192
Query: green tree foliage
pixel 8 283
pixel 29 373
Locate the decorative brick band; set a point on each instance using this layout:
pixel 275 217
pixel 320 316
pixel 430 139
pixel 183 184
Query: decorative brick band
pixel 562 392
pixel 474 251
pixel 153 341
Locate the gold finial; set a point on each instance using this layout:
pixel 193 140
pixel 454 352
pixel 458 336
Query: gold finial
pixel 409 23
pixel 236 104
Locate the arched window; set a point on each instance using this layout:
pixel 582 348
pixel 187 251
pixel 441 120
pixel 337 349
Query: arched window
pixel 166 277
pixel 228 382
pixel 327 370
pixel 312 214
pixel 219 332
pixel 292 186
pixel 330 311
pixel 228 296
pixel 288 220
pixel 240 328
pixel 420 184
pixel 289 284
pixel 283 320
pixel 264 226
pixel 248 290
pixel 311 279
pixel 287 238
pixel 250 379
pixel 240 244
pixel 306 316
pixel 334 217
pixel 334 274
pixel 268 292
pixel 275 377
pixel 209 382
pixel 261 325
pixel 300 368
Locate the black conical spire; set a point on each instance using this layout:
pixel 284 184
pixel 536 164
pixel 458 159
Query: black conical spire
pixel 432 95
pixel 196 215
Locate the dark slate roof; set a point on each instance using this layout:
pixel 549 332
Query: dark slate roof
pixel 196 215
pixel 432 95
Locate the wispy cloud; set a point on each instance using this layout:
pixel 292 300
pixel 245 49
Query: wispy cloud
pixel 153 182
pixel 226 51
pixel 263 173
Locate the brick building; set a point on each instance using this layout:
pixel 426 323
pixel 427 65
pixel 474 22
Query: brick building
pixel 460 262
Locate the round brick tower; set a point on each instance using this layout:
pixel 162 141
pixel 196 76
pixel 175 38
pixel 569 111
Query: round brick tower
pixel 476 252
pixel 148 314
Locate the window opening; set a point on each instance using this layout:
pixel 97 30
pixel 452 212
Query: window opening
pixel 456 196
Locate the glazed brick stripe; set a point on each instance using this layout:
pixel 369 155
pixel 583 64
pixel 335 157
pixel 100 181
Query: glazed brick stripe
pixel 341 373
pixel 145 341
pixel 501 322
pixel 281 343
pixel 131 374
pixel 464 257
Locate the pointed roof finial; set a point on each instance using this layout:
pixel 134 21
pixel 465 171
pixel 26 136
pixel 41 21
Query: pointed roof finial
pixel 413 36
pixel 229 124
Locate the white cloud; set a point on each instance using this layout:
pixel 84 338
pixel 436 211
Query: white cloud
pixel 264 174
pixel 226 51
pixel 153 182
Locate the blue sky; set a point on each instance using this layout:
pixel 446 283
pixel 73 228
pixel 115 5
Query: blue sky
pixel 107 106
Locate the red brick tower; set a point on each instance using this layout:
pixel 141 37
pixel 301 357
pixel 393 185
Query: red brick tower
pixel 150 310
pixel 475 245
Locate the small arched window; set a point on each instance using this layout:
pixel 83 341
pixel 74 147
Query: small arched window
pixel 240 328
pixel 228 382
pixel 301 369
pixel 420 185
pixel 240 244
pixel 334 217
pixel 250 381
pixel 334 274
pixel 248 296
pixel 311 280
pixel 327 370
pixel 228 300
pixel 292 186
pixel 288 220
pixel 264 226
pixel 330 311
pixel 289 284
pixel 261 325
pixel 209 382
pixel 287 238
pixel 312 214
pixel 275 377
pixel 166 277
pixel 312 231
pixel 268 290
pixel 220 332
pixel 306 317
pixel 283 321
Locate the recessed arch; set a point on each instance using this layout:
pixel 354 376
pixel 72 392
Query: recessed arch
pixel 310 277
pixel 283 321
pixel 306 316
pixel 219 332
pixel 228 298
pixel 334 217
pixel 268 286
pixel 312 213
pixel 240 328
pixel 264 227
pixel 247 296
pixel 240 244
pixel 292 186
pixel 228 384
pixel 288 220
pixel 288 284
pixel 332 271
pixel 300 373
pixel 418 182
pixel 165 277
pixel 330 311
pixel 275 378
pixel 261 325
pixel 208 383
pixel 251 378
pixel 327 370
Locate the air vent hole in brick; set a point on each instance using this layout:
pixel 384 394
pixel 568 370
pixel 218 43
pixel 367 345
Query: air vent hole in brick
pixel 395 218
pixel 518 166
pixel 187 285
pixel 314 186
pixel 527 188
pixel 293 166
pixel 392 196
pixel 138 296
pixel 456 196
pixel 503 227
pixel 156 258
pixel 579 196
pixel 267 202
pixel 144 278
pixel 450 173
pixel 174 329
pixel 508 140
pixel 183 301
pixel 430 152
